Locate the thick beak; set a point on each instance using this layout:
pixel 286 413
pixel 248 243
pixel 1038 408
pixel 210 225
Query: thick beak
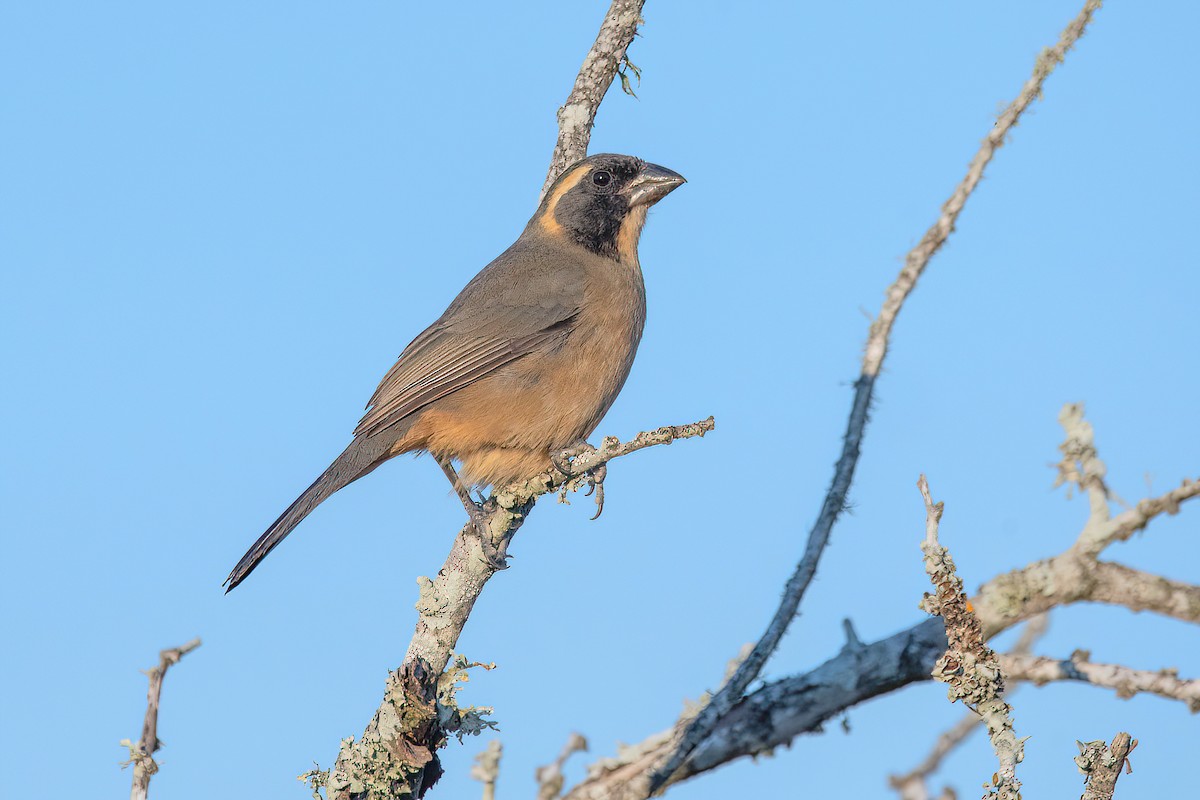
pixel 652 184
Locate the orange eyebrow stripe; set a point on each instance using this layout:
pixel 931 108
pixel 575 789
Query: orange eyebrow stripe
pixel 564 185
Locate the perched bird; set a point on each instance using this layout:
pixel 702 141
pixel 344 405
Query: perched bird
pixel 527 358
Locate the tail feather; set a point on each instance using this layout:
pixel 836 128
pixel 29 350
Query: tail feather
pixel 363 455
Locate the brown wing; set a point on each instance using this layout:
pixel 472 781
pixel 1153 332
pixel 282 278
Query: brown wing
pixel 518 304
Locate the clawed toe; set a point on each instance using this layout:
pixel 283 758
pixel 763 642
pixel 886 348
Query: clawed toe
pixel 495 557
pixel 563 461
pixel 597 484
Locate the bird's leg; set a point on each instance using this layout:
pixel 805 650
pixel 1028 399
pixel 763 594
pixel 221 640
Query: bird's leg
pixel 496 557
pixel 463 493
pixel 563 458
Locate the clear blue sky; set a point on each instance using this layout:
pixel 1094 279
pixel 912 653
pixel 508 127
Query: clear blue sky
pixel 220 222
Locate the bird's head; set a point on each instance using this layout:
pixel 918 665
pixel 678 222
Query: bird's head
pixel 601 202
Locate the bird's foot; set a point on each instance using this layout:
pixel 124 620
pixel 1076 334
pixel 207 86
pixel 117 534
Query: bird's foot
pixel 494 556
pixel 563 461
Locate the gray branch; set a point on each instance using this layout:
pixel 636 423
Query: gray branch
pixel 1126 682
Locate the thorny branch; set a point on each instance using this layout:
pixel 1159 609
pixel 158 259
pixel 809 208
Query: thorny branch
pixel 969 666
pixel 875 352
pixel 141 755
pixel 397 754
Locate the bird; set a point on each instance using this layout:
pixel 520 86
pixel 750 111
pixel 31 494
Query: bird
pixel 525 361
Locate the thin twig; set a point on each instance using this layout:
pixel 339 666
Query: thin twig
pixel 550 777
pixel 1125 681
pixel 578 114
pixel 875 352
pixel 1081 465
pixel 141 755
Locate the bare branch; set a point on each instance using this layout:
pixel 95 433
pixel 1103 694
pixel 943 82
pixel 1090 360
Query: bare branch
pixel 1127 682
pixel 937 235
pixel 1137 518
pixel 577 115
pixel 969 667
pixel 1102 765
pixel 1065 579
pixel 487 768
pixel 873 357
pixel 550 777
pixel 912 785
pixel 776 713
pixel 141 755
pixel 1081 465
pixel 397 753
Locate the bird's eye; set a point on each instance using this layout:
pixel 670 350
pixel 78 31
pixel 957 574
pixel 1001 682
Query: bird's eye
pixel 601 177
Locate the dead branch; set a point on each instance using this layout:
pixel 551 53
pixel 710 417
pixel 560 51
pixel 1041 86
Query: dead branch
pixel 141 755
pixel 1101 765
pixel 1127 682
pixel 969 666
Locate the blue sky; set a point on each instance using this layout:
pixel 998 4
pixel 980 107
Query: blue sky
pixel 220 222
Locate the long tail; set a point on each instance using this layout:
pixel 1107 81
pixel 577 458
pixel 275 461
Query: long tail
pixel 363 455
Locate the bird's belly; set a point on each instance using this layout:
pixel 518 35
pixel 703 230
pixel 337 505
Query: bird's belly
pixel 502 427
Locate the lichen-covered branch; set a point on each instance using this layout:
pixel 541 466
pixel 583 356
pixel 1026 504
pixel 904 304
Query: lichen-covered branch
pixel 397 754
pixel 141 755
pixel 1018 595
pixel 1076 575
pixel 600 66
pixel 969 667
pixel 873 356
pixel 912 785
pixel 1126 682
pixel 1102 764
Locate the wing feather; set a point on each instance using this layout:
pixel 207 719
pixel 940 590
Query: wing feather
pixel 526 299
